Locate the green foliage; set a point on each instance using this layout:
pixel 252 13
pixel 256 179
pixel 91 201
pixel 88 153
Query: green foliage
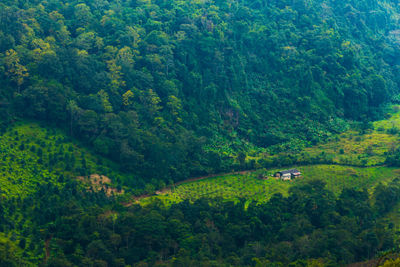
pixel 243 219
pixel 250 187
pixel 10 254
pixel 363 144
pixel 33 156
pixel 173 89
pixel 306 226
pixel 167 85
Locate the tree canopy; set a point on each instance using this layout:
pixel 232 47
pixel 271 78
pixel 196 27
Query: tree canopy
pixel 161 86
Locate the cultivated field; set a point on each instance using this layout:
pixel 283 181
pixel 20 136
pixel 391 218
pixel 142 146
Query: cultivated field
pixel 250 187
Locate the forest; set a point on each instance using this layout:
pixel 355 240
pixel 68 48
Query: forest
pixel 172 89
pixel 310 226
pixel 153 92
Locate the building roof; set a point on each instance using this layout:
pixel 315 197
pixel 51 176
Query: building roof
pixel 291 171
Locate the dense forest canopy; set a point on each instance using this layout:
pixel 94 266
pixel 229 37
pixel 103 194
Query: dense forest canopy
pixel 310 227
pixel 152 92
pixel 159 86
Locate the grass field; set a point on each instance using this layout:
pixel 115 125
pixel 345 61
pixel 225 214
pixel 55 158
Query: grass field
pixel 339 177
pixel 250 187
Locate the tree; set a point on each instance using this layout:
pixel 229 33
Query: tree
pixel 83 15
pixel 127 98
pixel 241 157
pixel 105 102
pixel 14 70
pixel 73 110
pixel 151 102
pixel 377 89
pixel 116 81
pixel 175 107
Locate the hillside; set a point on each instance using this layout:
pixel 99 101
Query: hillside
pixel 145 132
pixel 251 188
pixel 34 156
pixel 41 198
pixel 39 168
pixel 359 158
pixel 152 84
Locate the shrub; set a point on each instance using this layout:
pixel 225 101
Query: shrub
pixel 393 130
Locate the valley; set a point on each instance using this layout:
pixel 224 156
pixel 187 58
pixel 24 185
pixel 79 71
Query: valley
pixel 144 133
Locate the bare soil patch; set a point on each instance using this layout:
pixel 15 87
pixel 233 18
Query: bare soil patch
pixel 98 182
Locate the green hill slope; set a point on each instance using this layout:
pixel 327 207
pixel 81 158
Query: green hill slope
pixel 103 101
pixel 359 158
pixel 33 156
pixel 165 88
pixel 40 170
pixel 250 188
pixel 49 217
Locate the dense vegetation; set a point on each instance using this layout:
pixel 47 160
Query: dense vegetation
pixel 308 225
pixel 359 158
pixel 152 92
pixel 32 155
pixel 171 89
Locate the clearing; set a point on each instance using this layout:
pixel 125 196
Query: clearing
pixel 250 187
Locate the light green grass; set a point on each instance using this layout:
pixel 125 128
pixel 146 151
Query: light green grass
pixel 368 149
pixel 355 149
pixel 339 177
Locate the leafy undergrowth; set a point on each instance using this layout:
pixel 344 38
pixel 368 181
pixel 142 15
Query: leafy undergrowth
pixel 365 147
pixel 392 219
pixel 32 155
pixel 11 253
pixel 248 186
pixel 364 144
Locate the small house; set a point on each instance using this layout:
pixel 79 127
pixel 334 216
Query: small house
pixel 288 174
